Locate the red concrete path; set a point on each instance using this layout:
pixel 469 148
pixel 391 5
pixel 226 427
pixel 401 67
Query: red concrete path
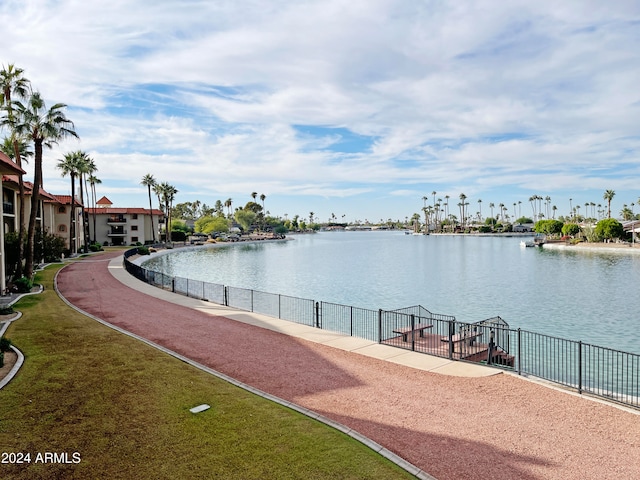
pixel 490 427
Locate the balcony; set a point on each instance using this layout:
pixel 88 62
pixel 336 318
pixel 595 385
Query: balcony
pixel 117 220
pixel 117 232
pixel 7 208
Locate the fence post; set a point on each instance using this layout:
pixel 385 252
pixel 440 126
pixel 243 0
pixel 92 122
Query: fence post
pixel 226 296
pixel 379 325
pixel 317 315
pixel 173 284
pixel 413 333
pixel 519 352
pixel 279 301
pixel 491 347
pixel 351 320
pixel 580 367
pixel 452 329
pixel 251 300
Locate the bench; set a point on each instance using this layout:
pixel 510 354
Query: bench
pixel 468 337
pixel 405 331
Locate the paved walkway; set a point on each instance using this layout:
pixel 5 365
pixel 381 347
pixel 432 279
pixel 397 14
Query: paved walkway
pixel 469 423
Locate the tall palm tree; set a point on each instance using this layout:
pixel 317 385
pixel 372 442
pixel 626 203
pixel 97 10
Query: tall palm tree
pixel 86 166
pixel 45 127
pixel 70 165
pixel 227 203
pixel 462 204
pixel 148 181
pixel 13 83
pixel 93 181
pixel 608 196
pixel 168 193
pixel 254 195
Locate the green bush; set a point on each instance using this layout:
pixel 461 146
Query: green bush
pixel 5 344
pixel 95 247
pixel 609 228
pixel 6 310
pixel 23 284
pixel 142 250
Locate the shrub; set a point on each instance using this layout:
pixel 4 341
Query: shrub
pixel 23 284
pixel 95 247
pixel 609 228
pixel 5 344
pixel 570 229
pixel 142 250
pixel 6 310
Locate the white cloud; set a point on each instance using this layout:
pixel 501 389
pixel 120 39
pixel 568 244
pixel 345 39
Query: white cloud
pixel 481 96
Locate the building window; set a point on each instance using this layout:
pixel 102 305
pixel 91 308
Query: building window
pixel 62 228
pixel 62 209
pixel 134 227
pixel 134 239
pixel 134 216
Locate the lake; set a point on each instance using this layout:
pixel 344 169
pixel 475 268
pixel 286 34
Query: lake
pixel 579 295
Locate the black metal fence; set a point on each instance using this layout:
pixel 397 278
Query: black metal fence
pixel 599 371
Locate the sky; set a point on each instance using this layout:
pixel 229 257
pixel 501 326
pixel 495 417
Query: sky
pixel 356 108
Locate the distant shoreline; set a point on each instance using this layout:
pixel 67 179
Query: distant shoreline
pixel 596 247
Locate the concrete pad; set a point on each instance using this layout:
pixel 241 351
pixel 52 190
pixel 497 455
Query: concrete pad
pixel 349 344
pixel 463 369
pixel 383 352
pixel 420 361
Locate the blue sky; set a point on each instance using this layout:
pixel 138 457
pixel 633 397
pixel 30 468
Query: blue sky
pixel 357 108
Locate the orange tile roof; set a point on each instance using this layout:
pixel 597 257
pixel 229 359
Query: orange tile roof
pixel 7 166
pixel 130 210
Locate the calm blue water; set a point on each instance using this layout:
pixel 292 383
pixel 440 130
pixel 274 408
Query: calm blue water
pixel 588 296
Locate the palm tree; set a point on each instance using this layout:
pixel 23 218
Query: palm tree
pixel 86 167
pixel 462 197
pixel 93 181
pixel 168 193
pixel 227 203
pixel 70 165
pixel 608 196
pixel 254 195
pixel 12 81
pixel 148 181
pixel 45 128
pixel 480 208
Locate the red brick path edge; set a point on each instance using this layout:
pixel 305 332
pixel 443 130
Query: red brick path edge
pixel 452 427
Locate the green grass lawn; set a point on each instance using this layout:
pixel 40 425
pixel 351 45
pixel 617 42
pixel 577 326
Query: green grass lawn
pixel 124 408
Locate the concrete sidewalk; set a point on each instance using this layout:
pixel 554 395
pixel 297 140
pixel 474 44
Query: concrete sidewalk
pixel 337 340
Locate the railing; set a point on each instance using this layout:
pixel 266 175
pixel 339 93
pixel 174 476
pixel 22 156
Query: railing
pixel 599 371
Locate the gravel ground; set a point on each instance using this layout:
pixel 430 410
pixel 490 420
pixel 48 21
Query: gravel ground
pixel 500 426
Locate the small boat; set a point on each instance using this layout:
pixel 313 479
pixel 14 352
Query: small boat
pixel 527 243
